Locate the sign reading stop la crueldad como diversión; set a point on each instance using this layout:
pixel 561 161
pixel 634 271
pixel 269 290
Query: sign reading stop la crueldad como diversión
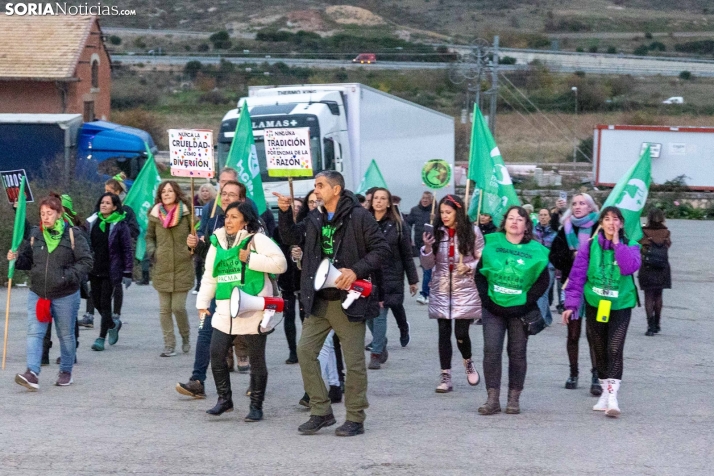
pixel 191 152
pixel 288 153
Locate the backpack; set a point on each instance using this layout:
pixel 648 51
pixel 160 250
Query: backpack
pixel 656 255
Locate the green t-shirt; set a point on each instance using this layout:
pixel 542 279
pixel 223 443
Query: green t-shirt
pixel 511 269
pixel 228 270
pixel 606 282
pixel 328 241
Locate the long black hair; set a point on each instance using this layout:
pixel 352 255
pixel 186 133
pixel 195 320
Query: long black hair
pixel 464 230
pixel 304 209
pixel 252 222
pixel 522 212
pixel 116 201
pixel 615 211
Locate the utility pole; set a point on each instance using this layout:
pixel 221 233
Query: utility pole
pixel 494 88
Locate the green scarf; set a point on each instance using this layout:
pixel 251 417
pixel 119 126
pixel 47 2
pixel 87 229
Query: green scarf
pixel 53 235
pixel 115 217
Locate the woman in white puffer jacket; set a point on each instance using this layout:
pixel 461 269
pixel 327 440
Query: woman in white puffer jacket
pixel 240 256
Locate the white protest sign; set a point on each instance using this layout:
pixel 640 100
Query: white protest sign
pixel 287 152
pixel 191 152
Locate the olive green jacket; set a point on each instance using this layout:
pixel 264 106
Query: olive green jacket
pixel 173 264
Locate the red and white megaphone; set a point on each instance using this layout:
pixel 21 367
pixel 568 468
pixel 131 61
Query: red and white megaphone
pixel 327 275
pixel 242 303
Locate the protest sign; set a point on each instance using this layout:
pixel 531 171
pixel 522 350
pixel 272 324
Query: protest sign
pixel 287 152
pixel 11 181
pixel 191 153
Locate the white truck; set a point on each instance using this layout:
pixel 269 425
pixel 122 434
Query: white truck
pixel 675 151
pixel 350 124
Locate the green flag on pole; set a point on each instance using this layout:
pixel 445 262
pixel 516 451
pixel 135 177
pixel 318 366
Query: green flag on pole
pixel 487 169
pixel 372 178
pixel 141 198
pixel 243 157
pixel 18 231
pixel 630 194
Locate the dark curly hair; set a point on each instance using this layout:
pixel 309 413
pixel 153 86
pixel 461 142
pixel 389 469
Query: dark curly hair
pixel 528 235
pixel 464 229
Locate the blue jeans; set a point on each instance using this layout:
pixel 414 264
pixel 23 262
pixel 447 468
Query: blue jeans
pixel 64 312
pixel 543 303
pixel 426 279
pixel 378 327
pixel 203 347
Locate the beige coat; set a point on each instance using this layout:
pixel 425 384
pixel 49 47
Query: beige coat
pixel 173 264
pixel 267 258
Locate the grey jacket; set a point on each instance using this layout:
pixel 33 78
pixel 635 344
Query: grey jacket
pixel 451 295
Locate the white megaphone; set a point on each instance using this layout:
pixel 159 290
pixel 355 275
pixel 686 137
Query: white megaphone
pixel 242 303
pixel 327 275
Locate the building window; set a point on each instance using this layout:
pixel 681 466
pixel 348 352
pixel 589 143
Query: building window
pixel 95 74
pixel 88 111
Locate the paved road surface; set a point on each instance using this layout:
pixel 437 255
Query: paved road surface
pixel 122 415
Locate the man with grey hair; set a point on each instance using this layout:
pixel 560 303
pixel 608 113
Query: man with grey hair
pixel 340 230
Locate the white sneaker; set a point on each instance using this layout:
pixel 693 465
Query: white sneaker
pixel 168 352
pixel 613 408
pixel 194 292
pixel 422 299
pixel 601 404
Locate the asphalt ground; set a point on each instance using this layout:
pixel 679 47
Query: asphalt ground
pixel 123 416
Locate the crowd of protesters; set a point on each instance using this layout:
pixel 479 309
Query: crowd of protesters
pixel 502 273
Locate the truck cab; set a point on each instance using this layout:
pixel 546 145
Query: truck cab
pixel 323 112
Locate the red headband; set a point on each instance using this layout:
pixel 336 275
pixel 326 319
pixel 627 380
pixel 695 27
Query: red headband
pixel 451 199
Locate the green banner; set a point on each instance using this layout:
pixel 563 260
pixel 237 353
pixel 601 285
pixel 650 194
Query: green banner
pixel 487 169
pixel 18 230
pixel 372 178
pixel 243 157
pixel 141 198
pixel 630 194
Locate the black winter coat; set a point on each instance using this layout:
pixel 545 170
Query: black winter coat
pixel 289 281
pixel 400 261
pixel 60 273
pixel 121 250
pixel 416 219
pixel 561 256
pixel 650 277
pixel 359 246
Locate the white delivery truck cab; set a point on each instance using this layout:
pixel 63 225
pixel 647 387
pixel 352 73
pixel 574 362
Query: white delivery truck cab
pixel 350 124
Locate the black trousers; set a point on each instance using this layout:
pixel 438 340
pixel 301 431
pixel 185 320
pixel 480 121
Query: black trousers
pixel 572 345
pixel 118 298
pixel 463 341
pixel 400 315
pixel 102 290
pixel 495 329
pixel 220 343
pixel 608 341
pixel 291 303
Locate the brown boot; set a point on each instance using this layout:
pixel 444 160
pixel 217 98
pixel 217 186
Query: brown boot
pixel 513 407
pixel 492 405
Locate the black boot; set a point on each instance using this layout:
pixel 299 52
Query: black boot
pixel 595 387
pixel 650 326
pixel 257 395
pixel 572 382
pixel 656 323
pixel 46 346
pixel 144 279
pixel 223 387
pixel 224 404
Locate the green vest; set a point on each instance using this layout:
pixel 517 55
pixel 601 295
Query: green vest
pixel 228 270
pixel 604 280
pixel 511 269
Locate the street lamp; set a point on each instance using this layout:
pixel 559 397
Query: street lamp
pixel 574 89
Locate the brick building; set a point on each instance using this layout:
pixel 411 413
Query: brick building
pixel 54 64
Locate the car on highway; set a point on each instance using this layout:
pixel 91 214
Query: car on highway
pixel 363 58
pixel 674 100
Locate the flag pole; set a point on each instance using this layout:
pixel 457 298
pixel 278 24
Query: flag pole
pixel 478 209
pixel 466 195
pixel 433 209
pixel 193 212
pixel 292 197
pixel 7 321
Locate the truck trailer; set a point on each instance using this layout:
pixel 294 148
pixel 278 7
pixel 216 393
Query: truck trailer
pixel 676 151
pixel 350 124
pixel 90 151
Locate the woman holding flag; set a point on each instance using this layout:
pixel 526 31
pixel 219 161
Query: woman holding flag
pixel 57 256
pixel 240 256
pixel 579 223
pixel 603 278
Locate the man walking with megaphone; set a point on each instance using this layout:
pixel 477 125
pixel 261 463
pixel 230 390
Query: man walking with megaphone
pixel 346 234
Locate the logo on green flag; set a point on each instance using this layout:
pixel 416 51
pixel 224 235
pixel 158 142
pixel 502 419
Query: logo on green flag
pixel 630 194
pixel 243 157
pixel 487 169
pixel 372 178
pixel 436 173
pixel 140 198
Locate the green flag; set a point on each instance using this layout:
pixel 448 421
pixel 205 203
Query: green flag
pixel 372 178
pixel 630 194
pixel 243 157
pixel 141 198
pixel 18 231
pixel 487 169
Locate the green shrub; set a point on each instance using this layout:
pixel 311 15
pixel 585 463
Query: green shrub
pixel 685 75
pixel 507 60
pixel 192 68
pixel 641 50
pixel 611 50
pixel 115 40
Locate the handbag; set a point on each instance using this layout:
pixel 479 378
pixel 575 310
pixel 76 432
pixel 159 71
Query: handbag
pixel 533 322
pixel 656 255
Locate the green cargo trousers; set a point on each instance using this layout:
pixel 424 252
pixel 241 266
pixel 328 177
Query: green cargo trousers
pixel 351 335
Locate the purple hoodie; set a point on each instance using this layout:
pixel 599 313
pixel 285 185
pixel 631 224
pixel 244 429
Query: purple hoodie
pixel 627 257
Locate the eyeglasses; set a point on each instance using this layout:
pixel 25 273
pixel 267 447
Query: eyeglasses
pixel 230 195
pixel 312 202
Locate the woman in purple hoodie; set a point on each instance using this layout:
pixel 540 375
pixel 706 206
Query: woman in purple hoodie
pixel 602 275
